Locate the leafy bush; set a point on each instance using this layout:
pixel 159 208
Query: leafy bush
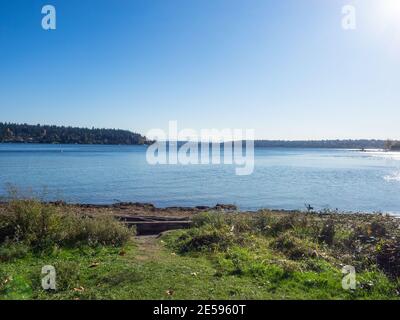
pixel 213 219
pixel 39 226
pixel 206 238
pixel 263 223
pixel 102 230
pixel 272 225
pixel 293 247
pixel 30 222
pixel 213 231
pixel 308 241
pixel 10 251
pixel 240 223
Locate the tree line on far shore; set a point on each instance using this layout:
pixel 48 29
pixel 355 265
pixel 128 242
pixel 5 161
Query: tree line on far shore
pixel 392 145
pixel 336 144
pixel 25 133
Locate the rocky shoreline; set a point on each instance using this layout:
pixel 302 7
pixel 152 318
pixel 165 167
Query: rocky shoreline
pixel 149 209
pixel 136 207
pixel 142 209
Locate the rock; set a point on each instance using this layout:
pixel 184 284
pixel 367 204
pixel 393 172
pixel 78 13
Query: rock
pixel 202 207
pixel 227 207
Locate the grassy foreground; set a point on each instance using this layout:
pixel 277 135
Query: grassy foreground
pixel 224 256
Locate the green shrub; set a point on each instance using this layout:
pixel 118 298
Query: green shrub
pixel 214 231
pixel 271 225
pixel 214 219
pixel 263 223
pixel 241 223
pixel 206 238
pixel 10 251
pixel 102 230
pixel 293 247
pixel 30 222
pixel 41 226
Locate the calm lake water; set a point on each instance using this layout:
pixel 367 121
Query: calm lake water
pixel 283 178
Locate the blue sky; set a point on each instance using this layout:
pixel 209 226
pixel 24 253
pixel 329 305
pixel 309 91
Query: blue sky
pixel 284 68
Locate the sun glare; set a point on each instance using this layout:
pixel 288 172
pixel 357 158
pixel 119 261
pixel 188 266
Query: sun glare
pixel 390 12
pixel 384 22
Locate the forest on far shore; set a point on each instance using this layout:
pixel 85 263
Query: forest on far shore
pixel 25 133
pixel 335 144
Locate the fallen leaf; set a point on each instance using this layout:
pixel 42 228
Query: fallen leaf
pixel 7 280
pixel 80 289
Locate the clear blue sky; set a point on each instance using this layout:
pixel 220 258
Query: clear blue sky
pixel 285 68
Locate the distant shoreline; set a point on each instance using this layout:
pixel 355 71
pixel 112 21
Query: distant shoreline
pixel 51 134
pixel 274 144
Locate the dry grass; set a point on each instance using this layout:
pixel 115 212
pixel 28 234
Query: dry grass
pixel 39 226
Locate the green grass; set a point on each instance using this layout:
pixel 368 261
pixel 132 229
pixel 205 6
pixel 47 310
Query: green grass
pixel 103 273
pixel 222 257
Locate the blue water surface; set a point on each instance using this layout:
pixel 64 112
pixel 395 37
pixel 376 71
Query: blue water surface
pixel 283 178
